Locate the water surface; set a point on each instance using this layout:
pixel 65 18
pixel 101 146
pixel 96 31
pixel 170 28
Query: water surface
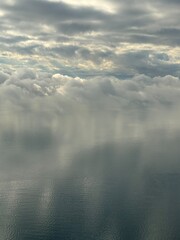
pixel 102 177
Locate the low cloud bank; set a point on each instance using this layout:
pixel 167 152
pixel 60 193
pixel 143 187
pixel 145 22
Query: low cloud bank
pixel 27 89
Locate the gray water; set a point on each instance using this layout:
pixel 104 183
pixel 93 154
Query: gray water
pixel 89 178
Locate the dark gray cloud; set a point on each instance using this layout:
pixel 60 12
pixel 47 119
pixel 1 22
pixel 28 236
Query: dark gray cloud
pixel 11 40
pixel 149 63
pixel 132 17
pixel 49 12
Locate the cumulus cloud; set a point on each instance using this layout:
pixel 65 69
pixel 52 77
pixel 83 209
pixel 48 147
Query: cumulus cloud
pixel 25 89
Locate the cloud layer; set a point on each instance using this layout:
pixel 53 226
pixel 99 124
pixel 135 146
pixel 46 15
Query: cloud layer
pixel 28 89
pixel 114 37
pixel 64 55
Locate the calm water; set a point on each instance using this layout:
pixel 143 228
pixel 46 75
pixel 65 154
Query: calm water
pixel 99 178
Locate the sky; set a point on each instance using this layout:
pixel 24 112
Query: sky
pixel 75 75
pixel 108 53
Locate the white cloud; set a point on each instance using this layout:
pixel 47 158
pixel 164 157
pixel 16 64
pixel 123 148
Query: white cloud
pixel 26 87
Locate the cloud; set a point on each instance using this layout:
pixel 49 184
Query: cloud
pixel 56 35
pixel 100 54
pixel 53 13
pixel 29 91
